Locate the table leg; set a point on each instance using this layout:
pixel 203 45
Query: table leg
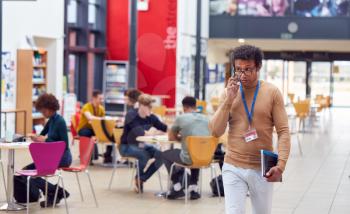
pixel 11 205
pixel 5 124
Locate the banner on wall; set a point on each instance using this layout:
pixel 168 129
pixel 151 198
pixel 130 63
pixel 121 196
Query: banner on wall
pixel 69 107
pixel 279 8
pixel 8 90
pixel 185 70
pixel 156 50
pixel 8 80
pixel 156 43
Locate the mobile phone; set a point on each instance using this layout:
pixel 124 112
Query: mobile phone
pixel 234 75
pixel 232 67
pixel 232 71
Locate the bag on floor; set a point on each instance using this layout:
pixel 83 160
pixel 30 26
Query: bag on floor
pixel 214 188
pixel 20 190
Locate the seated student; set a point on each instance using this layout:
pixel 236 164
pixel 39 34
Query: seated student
pixel 90 111
pixel 54 130
pixel 131 96
pixel 140 122
pixel 188 124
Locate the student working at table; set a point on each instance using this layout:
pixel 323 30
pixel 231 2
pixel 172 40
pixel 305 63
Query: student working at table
pixel 141 122
pixel 54 130
pixel 190 123
pixel 91 111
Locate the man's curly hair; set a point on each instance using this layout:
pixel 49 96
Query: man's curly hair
pixel 248 52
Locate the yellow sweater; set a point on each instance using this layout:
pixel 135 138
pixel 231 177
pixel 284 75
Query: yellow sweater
pixel 269 112
pixel 88 107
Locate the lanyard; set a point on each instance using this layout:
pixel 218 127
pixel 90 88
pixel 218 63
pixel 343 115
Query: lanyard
pixel 250 114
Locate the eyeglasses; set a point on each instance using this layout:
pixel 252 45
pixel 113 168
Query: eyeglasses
pixel 245 71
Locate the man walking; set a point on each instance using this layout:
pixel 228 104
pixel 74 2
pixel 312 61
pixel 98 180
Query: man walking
pixel 251 108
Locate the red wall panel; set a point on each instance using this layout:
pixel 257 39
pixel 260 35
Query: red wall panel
pixel 156 44
pixel 117 29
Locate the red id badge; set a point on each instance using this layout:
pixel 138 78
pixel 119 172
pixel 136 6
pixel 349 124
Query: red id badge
pixel 250 135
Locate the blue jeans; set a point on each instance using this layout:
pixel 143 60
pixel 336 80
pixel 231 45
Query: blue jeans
pixel 86 132
pixel 66 161
pixel 143 154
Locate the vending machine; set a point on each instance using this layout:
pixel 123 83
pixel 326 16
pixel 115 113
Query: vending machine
pixel 115 83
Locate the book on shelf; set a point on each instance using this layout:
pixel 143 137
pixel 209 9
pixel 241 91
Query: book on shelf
pixel 38 73
pixel 38 59
pixel 38 81
pixel 37 91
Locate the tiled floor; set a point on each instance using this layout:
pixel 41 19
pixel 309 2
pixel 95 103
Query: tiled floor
pixel 316 182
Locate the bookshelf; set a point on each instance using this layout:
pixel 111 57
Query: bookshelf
pixel 31 83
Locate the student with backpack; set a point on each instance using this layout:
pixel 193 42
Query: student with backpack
pixel 54 130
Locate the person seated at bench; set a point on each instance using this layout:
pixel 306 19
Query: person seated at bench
pixel 190 123
pixel 55 130
pixel 141 122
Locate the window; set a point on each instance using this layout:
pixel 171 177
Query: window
pixel 85 46
pixel 72 13
pixel 341 86
pixel 297 79
pixel 92 13
pixel 320 79
pixel 272 72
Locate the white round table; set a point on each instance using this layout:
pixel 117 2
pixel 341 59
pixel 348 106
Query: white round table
pixel 162 139
pixel 155 139
pixel 11 205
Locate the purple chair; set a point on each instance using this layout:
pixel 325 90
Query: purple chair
pixel 46 157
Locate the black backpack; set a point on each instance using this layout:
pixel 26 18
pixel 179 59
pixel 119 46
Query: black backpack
pixel 214 188
pixel 105 131
pixel 20 190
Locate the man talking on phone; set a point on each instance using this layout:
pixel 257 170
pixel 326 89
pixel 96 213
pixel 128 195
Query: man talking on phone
pixel 251 108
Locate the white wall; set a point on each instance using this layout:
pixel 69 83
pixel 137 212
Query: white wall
pixel 186 43
pixel 55 49
pixel 44 21
pixel 41 19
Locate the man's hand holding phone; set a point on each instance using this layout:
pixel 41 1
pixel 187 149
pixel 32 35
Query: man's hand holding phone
pixel 232 89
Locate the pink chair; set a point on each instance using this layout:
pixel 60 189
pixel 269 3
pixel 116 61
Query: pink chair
pixel 86 146
pixel 46 157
